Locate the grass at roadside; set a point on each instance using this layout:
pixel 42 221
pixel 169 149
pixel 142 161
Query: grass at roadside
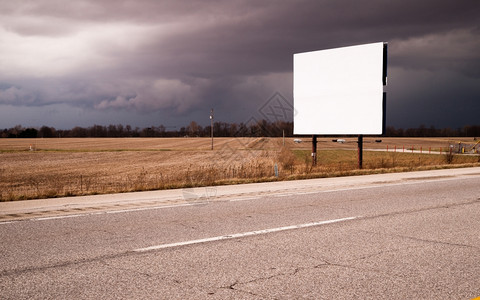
pixel 58 171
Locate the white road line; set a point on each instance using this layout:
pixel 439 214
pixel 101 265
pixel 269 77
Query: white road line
pixel 244 199
pixel 57 217
pixel 103 212
pixel 8 222
pixel 352 188
pixel 148 208
pixel 244 234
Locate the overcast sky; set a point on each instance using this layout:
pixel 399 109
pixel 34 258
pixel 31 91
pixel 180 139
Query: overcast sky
pixel 147 62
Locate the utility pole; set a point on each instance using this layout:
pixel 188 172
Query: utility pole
pixel 211 125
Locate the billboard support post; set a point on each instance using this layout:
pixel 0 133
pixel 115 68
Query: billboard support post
pixel 314 150
pixel 360 151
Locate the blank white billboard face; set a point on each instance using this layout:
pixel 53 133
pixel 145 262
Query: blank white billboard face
pixel 339 91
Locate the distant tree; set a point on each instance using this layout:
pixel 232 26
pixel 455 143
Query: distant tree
pixel 432 131
pixel 421 131
pixel 15 131
pixel 183 131
pixel 62 133
pixel 161 130
pixel 221 129
pixel 147 132
pixel 206 130
pixel 47 132
pixel 98 131
pixel 78 132
pixel 262 128
pixel 233 130
pixel 28 133
pixel 120 130
pixel 242 130
pixel 447 132
pixel 128 130
pixel 192 129
pixel 400 132
pixel 218 129
pixel 471 130
pixel 112 131
pixel 410 132
pixel 136 132
pixel 391 131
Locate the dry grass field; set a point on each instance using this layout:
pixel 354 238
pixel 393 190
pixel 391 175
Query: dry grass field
pixel 40 168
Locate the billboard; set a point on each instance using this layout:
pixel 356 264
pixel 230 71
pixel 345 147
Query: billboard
pixel 340 91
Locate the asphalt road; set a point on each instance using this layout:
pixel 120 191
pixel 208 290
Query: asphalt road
pixel 401 236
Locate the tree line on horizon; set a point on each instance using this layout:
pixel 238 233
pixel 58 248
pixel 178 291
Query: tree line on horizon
pixel 261 128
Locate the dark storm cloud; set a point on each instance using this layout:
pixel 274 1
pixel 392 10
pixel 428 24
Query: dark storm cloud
pixel 182 57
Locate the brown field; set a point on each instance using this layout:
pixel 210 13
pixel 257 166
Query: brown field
pixel 39 168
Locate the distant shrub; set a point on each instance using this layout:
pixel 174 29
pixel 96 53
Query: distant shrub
pixel 449 157
pixel 286 159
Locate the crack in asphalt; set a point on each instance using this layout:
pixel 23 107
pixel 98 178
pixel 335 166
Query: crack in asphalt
pixel 404 212
pixel 435 241
pixel 234 286
pixel 63 264
pixel 105 263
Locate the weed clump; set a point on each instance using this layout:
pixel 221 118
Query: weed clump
pixel 449 156
pixel 287 160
